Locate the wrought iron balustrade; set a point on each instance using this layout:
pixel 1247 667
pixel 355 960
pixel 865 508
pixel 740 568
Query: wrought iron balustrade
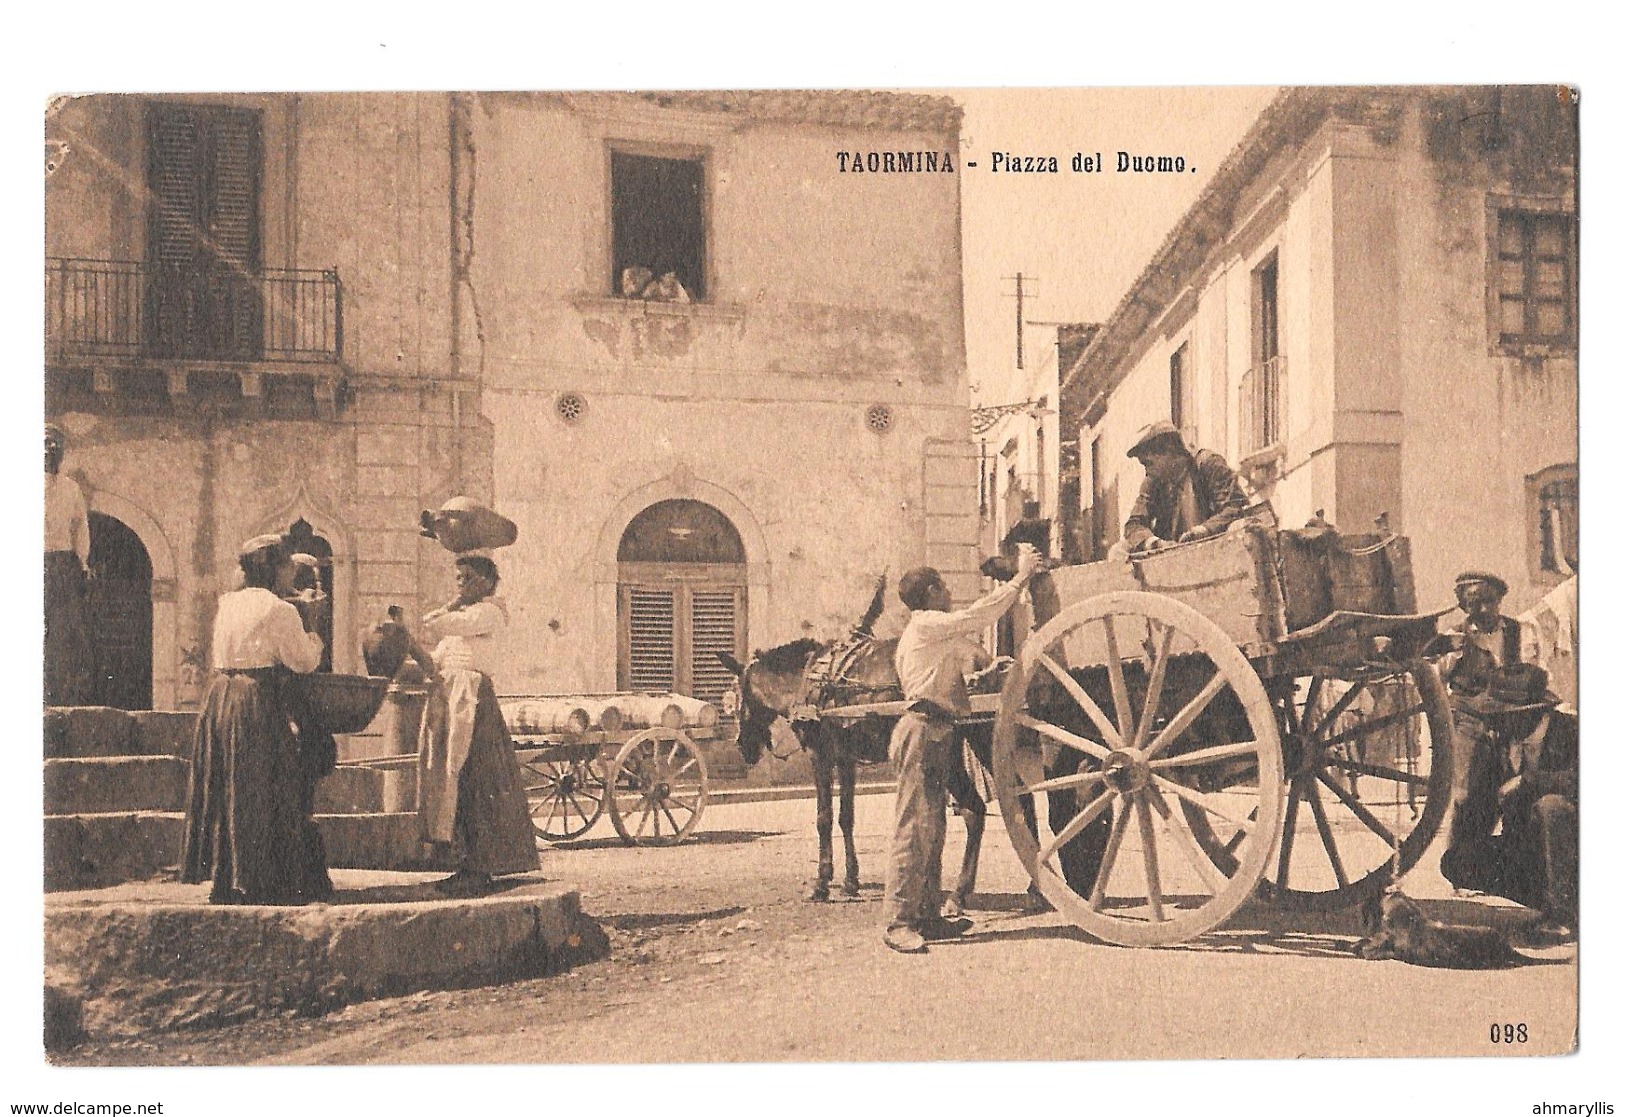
pixel 126 309
pixel 1263 405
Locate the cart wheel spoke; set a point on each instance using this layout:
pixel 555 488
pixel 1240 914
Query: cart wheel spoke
pixel 1114 671
pixel 1205 756
pixel 1108 860
pixel 1289 829
pixel 1148 847
pixel 1208 803
pixel 1186 842
pixel 1337 709
pixel 1377 771
pixel 1372 725
pixel 1326 838
pixel 1358 809
pixel 1081 697
pixel 1188 715
pixel 1061 736
pixel 1075 827
pixel 1056 783
pixel 1153 690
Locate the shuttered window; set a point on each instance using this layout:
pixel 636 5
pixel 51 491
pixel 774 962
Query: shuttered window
pixel 671 633
pixel 203 239
pixel 714 627
pixel 651 641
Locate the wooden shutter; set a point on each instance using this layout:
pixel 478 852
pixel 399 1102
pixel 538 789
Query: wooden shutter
pixel 714 628
pixel 651 639
pixel 203 244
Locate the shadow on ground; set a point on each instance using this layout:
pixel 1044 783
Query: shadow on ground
pixel 703 838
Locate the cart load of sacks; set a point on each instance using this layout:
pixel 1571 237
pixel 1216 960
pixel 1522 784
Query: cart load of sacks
pixel 576 714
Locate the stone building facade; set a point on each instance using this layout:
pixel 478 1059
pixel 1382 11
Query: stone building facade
pixel 323 313
pixel 1371 309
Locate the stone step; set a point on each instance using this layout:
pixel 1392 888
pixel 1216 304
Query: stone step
pixel 95 850
pixel 351 790
pixel 112 959
pixel 372 841
pixel 84 731
pixel 102 785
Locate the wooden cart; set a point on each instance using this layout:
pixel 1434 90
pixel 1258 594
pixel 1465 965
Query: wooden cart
pixel 1246 713
pixel 652 780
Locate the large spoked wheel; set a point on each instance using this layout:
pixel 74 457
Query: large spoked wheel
pixel 1128 711
pixel 566 796
pixel 658 788
pixel 1369 769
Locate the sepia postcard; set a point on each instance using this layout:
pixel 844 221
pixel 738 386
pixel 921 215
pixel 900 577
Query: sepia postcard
pixel 816 576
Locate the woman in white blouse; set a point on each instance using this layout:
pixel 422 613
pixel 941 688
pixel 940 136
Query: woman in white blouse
pixel 471 799
pixel 247 830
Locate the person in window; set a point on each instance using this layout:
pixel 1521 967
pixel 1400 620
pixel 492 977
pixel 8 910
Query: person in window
pixel 248 821
pixel 69 671
pixel 471 799
pixel 636 282
pixel 667 289
pixel 1185 496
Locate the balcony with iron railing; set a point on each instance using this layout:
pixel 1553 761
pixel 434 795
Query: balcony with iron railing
pixel 117 318
pixel 1263 405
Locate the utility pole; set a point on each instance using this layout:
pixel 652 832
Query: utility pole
pixel 1021 302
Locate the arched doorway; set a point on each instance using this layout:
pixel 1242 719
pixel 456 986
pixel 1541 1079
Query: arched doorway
pixel 681 594
pixel 118 606
pixel 302 539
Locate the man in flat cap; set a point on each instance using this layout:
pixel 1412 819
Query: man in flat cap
pixel 1186 495
pixel 1515 817
pixel 68 668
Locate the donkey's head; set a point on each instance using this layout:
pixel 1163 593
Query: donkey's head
pixel 766 689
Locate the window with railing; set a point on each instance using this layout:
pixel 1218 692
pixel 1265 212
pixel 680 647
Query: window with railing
pixel 1554 514
pixel 1262 386
pixel 101 308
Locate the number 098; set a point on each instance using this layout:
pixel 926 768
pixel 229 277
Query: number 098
pixel 1509 1033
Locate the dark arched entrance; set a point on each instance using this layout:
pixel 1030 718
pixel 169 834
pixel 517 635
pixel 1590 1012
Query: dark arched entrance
pixel 302 539
pixel 118 606
pixel 681 600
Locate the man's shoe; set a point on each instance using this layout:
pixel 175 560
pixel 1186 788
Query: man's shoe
pixel 936 930
pixel 905 940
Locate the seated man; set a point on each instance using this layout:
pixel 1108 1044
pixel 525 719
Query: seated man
pixel 1534 858
pixel 1185 496
pixel 1515 820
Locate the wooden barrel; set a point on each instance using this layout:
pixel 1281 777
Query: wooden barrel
pixel 603 713
pixel 546 715
pixel 643 711
pixel 696 714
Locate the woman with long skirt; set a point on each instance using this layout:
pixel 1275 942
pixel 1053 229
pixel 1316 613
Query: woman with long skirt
pixel 471 799
pixel 248 824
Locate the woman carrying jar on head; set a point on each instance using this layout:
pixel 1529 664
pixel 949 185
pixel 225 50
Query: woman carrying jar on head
pixel 470 794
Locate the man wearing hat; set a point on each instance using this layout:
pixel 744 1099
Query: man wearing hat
pixel 1519 767
pixel 1185 496
pixel 68 667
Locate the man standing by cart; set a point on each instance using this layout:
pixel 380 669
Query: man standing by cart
pixel 937 650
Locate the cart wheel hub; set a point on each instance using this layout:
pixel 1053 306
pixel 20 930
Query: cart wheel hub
pixel 1126 771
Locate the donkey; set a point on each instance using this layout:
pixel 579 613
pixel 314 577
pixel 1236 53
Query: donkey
pixel 794 679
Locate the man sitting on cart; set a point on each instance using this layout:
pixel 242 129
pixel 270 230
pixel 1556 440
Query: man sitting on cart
pixel 1187 495
pixel 1515 821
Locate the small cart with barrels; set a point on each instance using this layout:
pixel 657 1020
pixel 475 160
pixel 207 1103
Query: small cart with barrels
pixel 1246 714
pixel 634 756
